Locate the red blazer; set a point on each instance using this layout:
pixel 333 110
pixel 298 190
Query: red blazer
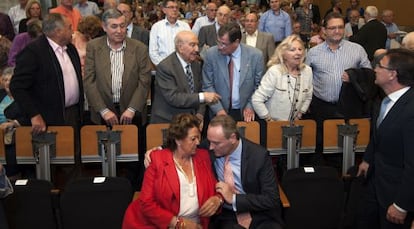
pixel 159 200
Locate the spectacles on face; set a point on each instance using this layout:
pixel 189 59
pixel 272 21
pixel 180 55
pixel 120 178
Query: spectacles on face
pixel 172 7
pixel 222 44
pixel 334 28
pixel 378 65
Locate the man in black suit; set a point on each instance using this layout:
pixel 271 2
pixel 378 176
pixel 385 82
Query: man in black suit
pixel 178 82
pixel 133 31
pixel 373 34
pixel 388 162
pixel 47 80
pixel 252 201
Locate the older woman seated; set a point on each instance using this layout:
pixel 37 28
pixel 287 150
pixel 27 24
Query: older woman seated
pixel 178 189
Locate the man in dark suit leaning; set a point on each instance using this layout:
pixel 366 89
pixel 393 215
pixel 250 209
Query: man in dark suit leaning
pixel 47 80
pixel 261 40
pixel 388 162
pixel 178 82
pixel 373 34
pixel 246 179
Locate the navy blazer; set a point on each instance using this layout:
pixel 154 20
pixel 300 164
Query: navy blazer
pixel 390 154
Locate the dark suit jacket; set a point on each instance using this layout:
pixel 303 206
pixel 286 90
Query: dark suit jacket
pixel 172 93
pixel 357 96
pixel 140 34
pixel 371 36
pixel 390 155
pixel 37 84
pixel 316 19
pixel 265 43
pixel 160 195
pixel 259 182
pixel 135 80
pixel 207 36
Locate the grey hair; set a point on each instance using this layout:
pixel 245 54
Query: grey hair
pixel 7 71
pixel 52 22
pixel 111 14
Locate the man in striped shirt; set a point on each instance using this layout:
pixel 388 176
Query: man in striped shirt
pixel 328 61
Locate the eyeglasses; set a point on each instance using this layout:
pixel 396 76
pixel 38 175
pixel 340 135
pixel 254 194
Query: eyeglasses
pixel 222 44
pixel 333 28
pixel 172 7
pixel 378 65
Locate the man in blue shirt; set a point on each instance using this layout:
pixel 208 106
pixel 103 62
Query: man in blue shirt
pixel 276 21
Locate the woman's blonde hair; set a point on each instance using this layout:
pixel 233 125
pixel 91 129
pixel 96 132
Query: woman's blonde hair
pixel 285 45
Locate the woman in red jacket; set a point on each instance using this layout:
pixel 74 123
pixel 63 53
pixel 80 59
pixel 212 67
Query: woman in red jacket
pixel 178 187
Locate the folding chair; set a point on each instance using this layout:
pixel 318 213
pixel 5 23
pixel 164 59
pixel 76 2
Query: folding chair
pixel 250 130
pixel 316 197
pixel 156 134
pixel 32 205
pixel 95 202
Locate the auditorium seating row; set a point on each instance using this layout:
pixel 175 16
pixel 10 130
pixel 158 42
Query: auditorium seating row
pixel 100 145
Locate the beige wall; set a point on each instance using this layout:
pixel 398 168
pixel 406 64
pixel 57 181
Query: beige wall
pixel 403 9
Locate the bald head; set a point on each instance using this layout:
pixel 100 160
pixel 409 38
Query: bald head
pixel 223 15
pixel 408 41
pixel 186 45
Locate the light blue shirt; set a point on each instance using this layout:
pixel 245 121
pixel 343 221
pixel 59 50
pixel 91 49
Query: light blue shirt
pixel 88 8
pixel 162 35
pixel 235 162
pixel 329 65
pixel 235 95
pixel 200 22
pixel 391 28
pixel 279 25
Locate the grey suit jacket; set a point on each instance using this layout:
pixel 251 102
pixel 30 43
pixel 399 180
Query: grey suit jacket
pixel 172 93
pixel 135 80
pixel 140 34
pixel 265 43
pixel 216 76
pixel 207 36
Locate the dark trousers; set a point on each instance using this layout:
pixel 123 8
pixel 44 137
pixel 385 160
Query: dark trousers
pixel 227 220
pixel 370 214
pixel 320 111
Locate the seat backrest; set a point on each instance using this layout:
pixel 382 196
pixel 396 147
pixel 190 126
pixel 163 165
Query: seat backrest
pixel 31 205
pixel 98 202
pixel 316 198
pixel 156 134
pixel 250 131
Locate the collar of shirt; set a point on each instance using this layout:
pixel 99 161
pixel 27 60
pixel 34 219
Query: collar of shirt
pixel 277 13
pixel 54 45
pixel 235 156
pixel 182 61
pixel 116 50
pixel 130 27
pixel 339 46
pixel 394 96
pixel 216 24
pixel 167 23
pixel 253 34
pixel 236 55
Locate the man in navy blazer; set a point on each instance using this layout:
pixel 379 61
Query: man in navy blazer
pixel 388 162
pixel 247 72
pixel 255 191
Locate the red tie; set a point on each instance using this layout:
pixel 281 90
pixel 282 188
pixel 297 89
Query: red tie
pixel 231 65
pixel 244 219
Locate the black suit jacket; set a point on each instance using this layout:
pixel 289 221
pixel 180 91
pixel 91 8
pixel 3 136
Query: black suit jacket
pixel 259 182
pixel 390 155
pixel 371 36
pixel 140 34
pixel 37 84
pixel 172 93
